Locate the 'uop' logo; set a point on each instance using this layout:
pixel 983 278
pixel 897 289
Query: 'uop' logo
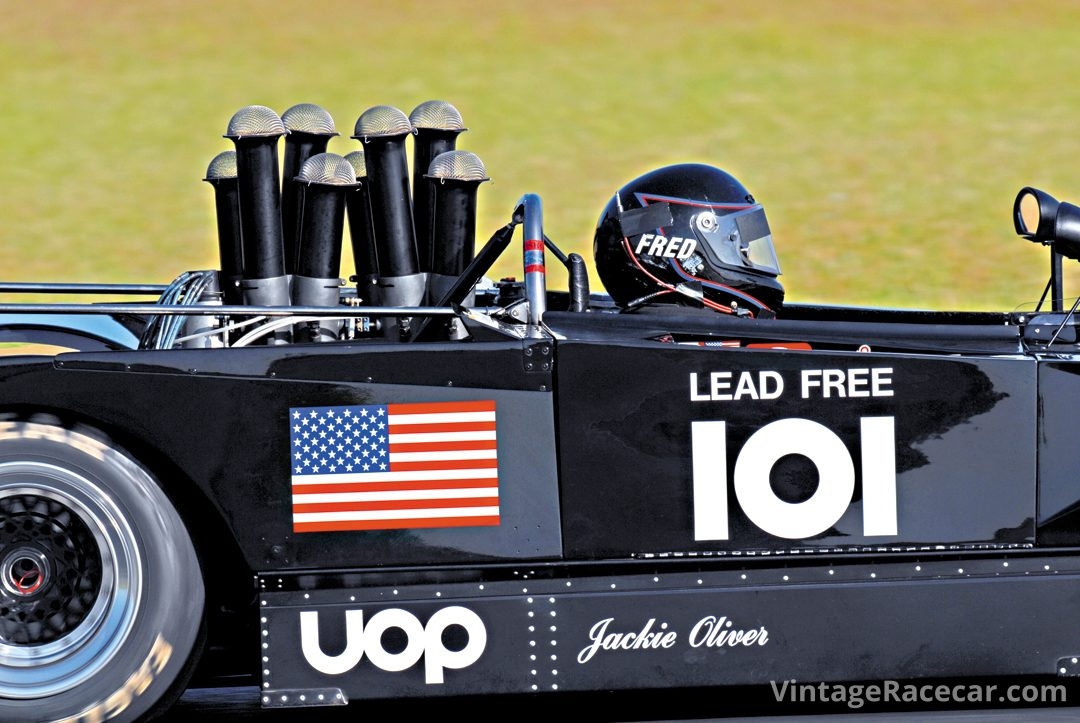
pixel 423 641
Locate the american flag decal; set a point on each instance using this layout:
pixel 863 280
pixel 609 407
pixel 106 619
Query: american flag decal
pixel 393 466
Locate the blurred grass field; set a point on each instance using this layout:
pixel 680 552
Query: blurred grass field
pixel 886 140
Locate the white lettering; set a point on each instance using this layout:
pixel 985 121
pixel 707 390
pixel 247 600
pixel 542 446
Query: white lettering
pixel 344 661
pixel 745 387
pixel 720 381
pixel 717 632
pixel 771 384
pixel 725 386
pixel 404 621
pixel 708 447
pixel 645 639
pixel 437 656
pixel 880 380
pixel 675 247
pixel 794 520
pixel 695 395
pixel 748 385
pixel 841 384
pixel 421 641
pixel 834 380
pixel 877 443
pixel 856 381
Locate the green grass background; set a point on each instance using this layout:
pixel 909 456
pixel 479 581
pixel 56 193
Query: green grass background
pixel 887 140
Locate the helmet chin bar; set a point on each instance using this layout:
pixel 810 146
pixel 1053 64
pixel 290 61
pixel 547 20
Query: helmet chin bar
pixel 694 287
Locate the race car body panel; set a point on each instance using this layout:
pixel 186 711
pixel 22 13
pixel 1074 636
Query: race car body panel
pixel 671 453
pixel 1058 491
pixel 657 625
pixel 920 450
pixel 227 430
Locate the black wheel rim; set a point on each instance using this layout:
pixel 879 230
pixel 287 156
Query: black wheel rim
pixel 71 576
pixel 50 570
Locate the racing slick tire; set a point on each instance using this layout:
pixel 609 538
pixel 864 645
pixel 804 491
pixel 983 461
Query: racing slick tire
pixel 101 595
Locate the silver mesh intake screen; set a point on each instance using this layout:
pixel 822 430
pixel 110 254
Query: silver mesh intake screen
pixel 382 120
pixel 328 169
pixel 255 121
pixel 222 166
pixel 309 118
pixel 457 166
pixel 356 158
pixel 436 115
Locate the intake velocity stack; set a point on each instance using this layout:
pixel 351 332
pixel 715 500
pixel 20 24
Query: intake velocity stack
pixel 310 129
pixel 255 131
pixel 383 130
pixel 358 208
pixel 437 125
pixel 324 180
pixel 221 174
pixel 453 179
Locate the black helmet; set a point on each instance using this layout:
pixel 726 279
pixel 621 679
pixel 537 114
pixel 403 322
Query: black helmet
pixel 689 234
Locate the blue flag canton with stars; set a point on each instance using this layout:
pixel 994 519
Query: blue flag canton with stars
pixel 339 440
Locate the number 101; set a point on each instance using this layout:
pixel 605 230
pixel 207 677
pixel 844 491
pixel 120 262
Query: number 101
pixel 836 478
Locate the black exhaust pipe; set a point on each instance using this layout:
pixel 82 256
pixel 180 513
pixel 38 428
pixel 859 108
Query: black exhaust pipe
pixel 221 174
pixel 310 129
pixel 324 180
pixel 437 125
pixel 255 131
pixel 383 130
pixel 365 257
pixel 453 178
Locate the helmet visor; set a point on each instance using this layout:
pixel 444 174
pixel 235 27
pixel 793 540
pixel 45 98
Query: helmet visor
pixel 740 240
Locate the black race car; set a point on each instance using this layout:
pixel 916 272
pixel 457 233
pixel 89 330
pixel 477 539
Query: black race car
pixel 423 483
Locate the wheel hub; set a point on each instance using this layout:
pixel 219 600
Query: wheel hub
pixel 24 572
pixel 50 569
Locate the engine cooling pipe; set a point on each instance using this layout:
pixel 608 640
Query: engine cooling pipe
pixel 324 180
pixel 255 130
pixel 362 235
pixel 453 179
pixel 437 125
pixel 221 174
pixel 383 130
pixel 310 129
